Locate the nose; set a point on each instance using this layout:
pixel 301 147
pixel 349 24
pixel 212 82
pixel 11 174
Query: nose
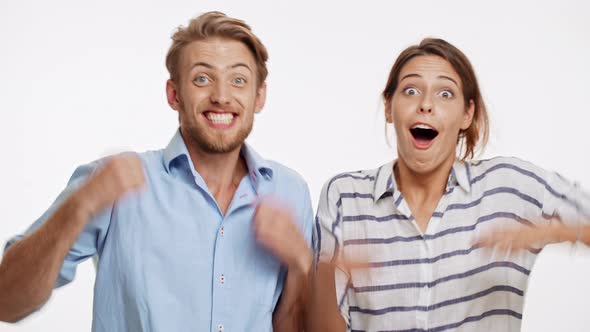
pixel 220 94
pixel 426 105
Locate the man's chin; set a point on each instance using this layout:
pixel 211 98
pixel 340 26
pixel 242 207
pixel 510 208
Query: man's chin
pixel 221 148
pixel 221 145
pixel 216 143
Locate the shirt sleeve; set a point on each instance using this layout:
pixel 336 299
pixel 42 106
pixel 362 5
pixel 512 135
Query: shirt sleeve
pixel 328 242
pixel 91 239
pixel 566 201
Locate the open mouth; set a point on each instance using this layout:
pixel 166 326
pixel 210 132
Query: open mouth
pixel 423 135
pixel 220 118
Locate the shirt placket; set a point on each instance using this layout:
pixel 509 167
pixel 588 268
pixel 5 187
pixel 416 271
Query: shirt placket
pixel 424 296
pixel 222 277
pixel 220 281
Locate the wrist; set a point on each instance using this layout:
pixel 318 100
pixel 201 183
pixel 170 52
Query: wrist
pixel 302 264
pixel 82 205
pixel 563 233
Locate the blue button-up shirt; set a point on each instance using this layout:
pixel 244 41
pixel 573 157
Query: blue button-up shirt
pixel 169 260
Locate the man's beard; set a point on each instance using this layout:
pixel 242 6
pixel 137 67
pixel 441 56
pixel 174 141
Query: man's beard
pixel 218 143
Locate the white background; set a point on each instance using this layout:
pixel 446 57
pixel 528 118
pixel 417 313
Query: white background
pixel 81 78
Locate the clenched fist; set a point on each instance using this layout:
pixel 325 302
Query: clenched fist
pixel 120 174
pixel 276 230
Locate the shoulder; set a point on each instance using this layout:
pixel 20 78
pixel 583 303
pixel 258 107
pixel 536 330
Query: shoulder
pixel 152 159
pixel 354 178
pixel 509 172
pixel 505 166
pixel 286 175
pixel 362 181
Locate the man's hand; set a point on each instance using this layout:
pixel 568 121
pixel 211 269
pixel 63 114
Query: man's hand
pixel 120 174
pixel 276 230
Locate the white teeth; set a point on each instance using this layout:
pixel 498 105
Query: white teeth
pixel 422 126
pixel 221 118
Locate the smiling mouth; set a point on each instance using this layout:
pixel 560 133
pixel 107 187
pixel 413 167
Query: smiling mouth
pixel 423 135
pixel 221 120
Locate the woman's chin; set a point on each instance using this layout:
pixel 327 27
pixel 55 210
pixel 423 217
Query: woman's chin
pixel 425 164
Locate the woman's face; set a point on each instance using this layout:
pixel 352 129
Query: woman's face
pixel 428 111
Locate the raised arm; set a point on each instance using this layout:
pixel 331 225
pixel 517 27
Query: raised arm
pixel 565 217
pixel 31 266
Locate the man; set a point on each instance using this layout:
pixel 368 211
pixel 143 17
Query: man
pixel 202 235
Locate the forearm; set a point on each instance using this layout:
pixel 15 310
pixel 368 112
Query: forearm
pixel 322 311
pixel 569 233
pixel 288 315
pixel 30 267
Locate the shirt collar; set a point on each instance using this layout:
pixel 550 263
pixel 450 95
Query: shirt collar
pixel 258 168
pixel 385 182
pixel 461 175
pixel 176 149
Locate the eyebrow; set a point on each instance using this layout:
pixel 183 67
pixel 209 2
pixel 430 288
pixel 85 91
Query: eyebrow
pixel 241 65
pixel 410 75
pixel 204 64
pixel 209 66
pixel 440 76
pixel 450 79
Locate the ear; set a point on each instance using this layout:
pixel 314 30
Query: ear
pixel 172 94
pixel 260 98
pixel 388 116
pixel 468 115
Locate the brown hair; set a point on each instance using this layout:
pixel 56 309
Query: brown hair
pixel 211 25
pixel 479 130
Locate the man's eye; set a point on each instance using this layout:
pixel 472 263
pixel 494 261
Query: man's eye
pixel 239 81
pixel 201 80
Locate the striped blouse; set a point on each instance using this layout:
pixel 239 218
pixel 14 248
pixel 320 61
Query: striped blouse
pixel 438 280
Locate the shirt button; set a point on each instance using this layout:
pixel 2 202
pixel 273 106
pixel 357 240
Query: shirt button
pixel 222 231
pixel 220 327
pixel 222 279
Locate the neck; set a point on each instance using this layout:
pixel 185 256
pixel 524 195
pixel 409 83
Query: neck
pixel 420 187
pixel 222 172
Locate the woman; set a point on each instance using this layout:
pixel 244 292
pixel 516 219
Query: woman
pixel 440 233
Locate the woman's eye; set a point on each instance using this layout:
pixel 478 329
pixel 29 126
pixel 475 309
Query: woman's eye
pixel 411 91
pixel 446 94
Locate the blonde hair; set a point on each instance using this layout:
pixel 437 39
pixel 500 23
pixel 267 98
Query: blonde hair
pixel 211 25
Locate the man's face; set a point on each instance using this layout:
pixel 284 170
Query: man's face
pixel 217 94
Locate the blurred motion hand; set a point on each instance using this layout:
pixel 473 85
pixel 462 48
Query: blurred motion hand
pixel 119 175
pixel 276 230
pixel 528 237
